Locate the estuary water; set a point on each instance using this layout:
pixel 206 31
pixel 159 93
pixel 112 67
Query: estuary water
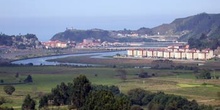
pixel 43 60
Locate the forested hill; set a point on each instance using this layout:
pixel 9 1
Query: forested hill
pixel 185 28
pixel 20 41
pixel 205 42
pixel 104 35
pixel 79 35
pixel 193 26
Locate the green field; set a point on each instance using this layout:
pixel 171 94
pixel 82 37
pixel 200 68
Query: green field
pixel 179 82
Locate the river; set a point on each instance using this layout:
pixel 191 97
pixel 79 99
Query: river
pixel 43 60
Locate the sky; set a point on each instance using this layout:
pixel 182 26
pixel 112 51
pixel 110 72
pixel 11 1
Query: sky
pixel 45 18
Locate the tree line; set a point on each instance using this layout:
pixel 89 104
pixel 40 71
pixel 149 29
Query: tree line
pixel 82 95
pixel 204 42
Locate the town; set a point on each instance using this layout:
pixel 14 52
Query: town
pixel 86 43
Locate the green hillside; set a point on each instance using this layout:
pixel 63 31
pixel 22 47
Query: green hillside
pixel 185 28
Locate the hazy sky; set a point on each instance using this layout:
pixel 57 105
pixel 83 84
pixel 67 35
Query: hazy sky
pixel 47 17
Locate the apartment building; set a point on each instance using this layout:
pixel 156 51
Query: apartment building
pixel 173 52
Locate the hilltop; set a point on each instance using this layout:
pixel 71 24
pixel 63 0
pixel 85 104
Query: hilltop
pixel 192 26
pixel 20 41
pixel 181 28
pixel 104 35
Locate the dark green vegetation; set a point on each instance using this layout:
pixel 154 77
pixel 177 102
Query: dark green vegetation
pixel 47 77
pixel 84 97
pixel 203 74
pixel 193 26
pixel 205 42
pixel 9 89
pixel 189 27
pixel 28 79
pixel 161 101
pixel 20 41
pixel 162 64
pixel 81 95
pixel 28 104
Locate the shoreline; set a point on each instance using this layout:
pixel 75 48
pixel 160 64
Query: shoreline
pixel 78 52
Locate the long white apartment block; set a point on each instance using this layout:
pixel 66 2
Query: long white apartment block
pixel 173 52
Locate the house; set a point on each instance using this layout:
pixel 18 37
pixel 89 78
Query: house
pixel 54 44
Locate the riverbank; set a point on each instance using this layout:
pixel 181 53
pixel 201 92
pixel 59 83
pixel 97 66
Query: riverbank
pixel 102 61
pixel 119 61
pixel 43 60
pixel 36 53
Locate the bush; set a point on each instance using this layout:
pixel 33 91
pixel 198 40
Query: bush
pixel 28 104
pixel 143 75
pixel 9 89
pixel 2 101
pixel 28 79
pixel 139 96
pixel 204 74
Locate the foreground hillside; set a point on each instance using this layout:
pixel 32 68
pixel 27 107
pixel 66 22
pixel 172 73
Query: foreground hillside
pixel 184 28
pixel 178 82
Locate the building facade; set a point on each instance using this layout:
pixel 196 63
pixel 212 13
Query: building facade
pixel 55 44
pixel 173 52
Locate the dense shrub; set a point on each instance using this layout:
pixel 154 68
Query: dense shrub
pixel 9 89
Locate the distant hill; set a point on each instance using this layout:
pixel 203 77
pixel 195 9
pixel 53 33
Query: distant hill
pixel 185 28
pixel 104 35
pixel 20 41
pixel 193 26
pixel 79 35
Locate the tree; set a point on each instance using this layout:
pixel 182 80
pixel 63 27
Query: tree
pixel 206 107
pixel 28 79
pixel 163 101
pixel 122 74
pixel 9 89
pixel 1 81
pixel 2 101
pixel 43 101
pixel 139 96
pixel 100 100
pixel 105 100
pixel 17 75
pixel 162 64
pixel 60 95
pixel 21 46
pixel 143 75
pixel 82 87
pixel 28 104
pixel 204 74
pixel 114 89
pixel 122 102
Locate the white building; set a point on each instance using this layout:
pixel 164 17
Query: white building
pixel 176 52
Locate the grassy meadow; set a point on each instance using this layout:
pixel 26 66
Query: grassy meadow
pixel 179 82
